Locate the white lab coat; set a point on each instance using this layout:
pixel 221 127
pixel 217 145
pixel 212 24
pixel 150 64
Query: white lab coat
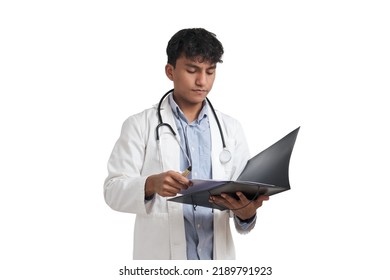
pixel 159 226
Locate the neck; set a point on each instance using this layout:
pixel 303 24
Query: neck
pixel 191 113
pixel 190 110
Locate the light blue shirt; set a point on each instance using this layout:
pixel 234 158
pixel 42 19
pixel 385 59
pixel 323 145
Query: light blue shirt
pixel 196 145
pixel 196 148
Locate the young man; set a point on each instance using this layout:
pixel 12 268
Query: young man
pixel 157 143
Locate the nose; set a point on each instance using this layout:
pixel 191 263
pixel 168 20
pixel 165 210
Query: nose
pixel 201 79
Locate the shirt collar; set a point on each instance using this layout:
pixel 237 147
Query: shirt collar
pixel 179 113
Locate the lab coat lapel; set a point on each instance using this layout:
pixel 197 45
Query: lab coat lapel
pixel 222 234
pixel 169 145
pixel 216 148
pixel 170 152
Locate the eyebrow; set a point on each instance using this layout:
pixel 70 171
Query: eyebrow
pixel 214 66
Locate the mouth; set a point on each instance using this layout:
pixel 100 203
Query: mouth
pixel 203 91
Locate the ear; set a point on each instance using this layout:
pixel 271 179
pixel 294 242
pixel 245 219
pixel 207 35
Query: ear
pixel 169 71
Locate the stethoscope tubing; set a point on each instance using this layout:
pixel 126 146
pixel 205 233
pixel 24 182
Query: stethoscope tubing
pixel 225 155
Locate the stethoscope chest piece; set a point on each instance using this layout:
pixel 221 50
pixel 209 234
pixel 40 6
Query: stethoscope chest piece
pixel 225 156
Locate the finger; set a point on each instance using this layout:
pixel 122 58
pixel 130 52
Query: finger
pixel 169 193
pixel 176 180
pixel 169 187
pixel 219 201
pixel 229 201
pixel 259 201
pixel 172 189
pixel 262 198
pixel 174 186
pixel 242 197
pixel 184 181
pixel 228 198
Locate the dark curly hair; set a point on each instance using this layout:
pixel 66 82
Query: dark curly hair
pixel 194 43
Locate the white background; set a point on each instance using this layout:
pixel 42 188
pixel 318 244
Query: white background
pixel 72 71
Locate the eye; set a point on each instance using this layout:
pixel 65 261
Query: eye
pixel 210 71
pixel 191 70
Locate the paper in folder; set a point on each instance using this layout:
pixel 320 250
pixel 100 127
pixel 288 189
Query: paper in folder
pixel 264 174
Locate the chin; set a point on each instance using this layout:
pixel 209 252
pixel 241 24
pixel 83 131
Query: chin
pixel 199 98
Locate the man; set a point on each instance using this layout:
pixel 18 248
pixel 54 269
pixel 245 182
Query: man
pixel 181 132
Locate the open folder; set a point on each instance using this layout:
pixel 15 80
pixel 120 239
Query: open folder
pixel 264 174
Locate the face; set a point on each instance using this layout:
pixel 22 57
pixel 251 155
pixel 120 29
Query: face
pixel 192 80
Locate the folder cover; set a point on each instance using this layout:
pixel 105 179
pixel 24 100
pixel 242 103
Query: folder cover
pixel 264 174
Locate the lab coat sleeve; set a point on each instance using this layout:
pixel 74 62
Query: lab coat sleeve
pixel 124 188
pixel 244 227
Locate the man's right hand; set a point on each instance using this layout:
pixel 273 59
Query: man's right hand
pixel 166 184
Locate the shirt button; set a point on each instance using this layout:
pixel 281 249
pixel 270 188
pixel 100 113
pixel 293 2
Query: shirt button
pixel 198 225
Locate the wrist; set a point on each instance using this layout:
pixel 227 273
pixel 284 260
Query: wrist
pixel 149 191
pixel 249 220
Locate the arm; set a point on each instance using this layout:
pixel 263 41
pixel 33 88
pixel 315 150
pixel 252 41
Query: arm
pixel 124 186
pixel 134 176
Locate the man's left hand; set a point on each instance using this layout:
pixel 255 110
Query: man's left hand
pixel 242 207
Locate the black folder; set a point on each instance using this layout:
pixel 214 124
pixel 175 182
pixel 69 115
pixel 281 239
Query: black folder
pixel 264 174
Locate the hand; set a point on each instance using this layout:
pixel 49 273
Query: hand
pixel 166 184
pixel 241 207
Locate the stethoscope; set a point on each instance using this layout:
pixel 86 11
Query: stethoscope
pixel 224 157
